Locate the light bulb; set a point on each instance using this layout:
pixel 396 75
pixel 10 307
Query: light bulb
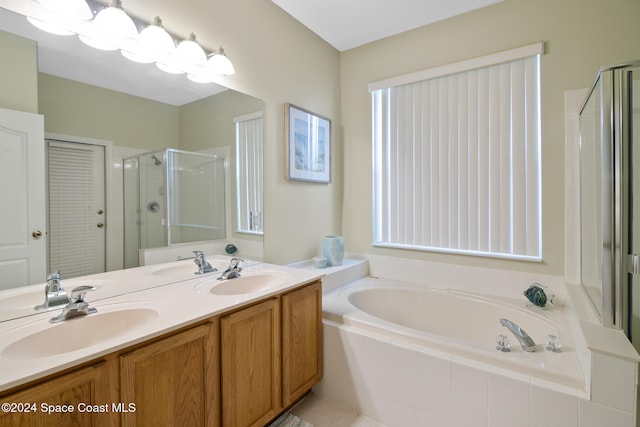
pixel 220 64
pixel 152 41
pixel 190 52
pixel 110 25
pixel 155 37
pixel 59 14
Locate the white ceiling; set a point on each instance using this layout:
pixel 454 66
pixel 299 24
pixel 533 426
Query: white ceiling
pixel 68 57
pixel 346 24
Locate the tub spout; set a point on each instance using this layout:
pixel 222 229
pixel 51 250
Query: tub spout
pixel 526 342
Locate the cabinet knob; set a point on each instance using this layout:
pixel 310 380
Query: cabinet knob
pixel 100 225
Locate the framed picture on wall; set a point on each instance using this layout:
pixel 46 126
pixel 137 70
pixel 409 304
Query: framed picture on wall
pixel 308 145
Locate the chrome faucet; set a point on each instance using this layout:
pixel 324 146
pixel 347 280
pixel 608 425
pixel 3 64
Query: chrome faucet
pixel 77 306
pixel 53 292
pixel 202 263
pixel 526 342
pixel 233 271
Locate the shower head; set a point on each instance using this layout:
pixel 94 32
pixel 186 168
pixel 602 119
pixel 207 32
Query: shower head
pixel 156 161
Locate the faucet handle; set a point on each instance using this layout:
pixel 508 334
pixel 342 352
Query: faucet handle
pixel 235 262
pixel 77 294
pixel 54 277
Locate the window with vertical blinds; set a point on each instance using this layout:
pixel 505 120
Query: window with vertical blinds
pixel 249 172
pixel 456 158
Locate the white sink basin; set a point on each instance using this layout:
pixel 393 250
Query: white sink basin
pixel 78 333
pixel 21 301
pixel 248 284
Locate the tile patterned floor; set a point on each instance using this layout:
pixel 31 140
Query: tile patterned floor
pixel 324 413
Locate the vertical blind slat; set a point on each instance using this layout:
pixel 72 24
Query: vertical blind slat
pixel 483 162
pixel 518 175
pixel 426 160
pixel 472 163
pixel 505 162
pixel 443 166
pixel 452 162
pixel 463 162
pixel 532 155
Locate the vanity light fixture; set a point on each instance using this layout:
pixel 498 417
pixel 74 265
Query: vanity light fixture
pixel 111 28
pixel 218 63
pixel 153 41
pixel 59 13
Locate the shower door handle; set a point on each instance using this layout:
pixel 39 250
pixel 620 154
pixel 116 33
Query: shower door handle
pixel 634 263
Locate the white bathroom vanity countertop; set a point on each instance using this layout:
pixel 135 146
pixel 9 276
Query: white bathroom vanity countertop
pixel 166 307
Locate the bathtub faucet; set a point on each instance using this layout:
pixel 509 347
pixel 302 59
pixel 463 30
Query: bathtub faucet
pixel 526 342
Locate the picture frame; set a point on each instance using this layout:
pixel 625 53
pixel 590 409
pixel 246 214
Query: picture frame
pixel 308 145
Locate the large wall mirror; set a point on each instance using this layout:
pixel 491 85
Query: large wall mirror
pixel 101 96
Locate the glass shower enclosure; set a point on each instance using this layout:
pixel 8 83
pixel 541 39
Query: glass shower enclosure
pixel 172 197
pixel 610 197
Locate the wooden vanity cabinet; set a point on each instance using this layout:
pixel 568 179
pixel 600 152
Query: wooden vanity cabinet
pixel 271 356
pixel 78 398
pixel 173 381
pixel 240 369
pixel 301 341
pixel 250 365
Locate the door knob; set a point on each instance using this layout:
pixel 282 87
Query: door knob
pixel 37 234
pixel 100 225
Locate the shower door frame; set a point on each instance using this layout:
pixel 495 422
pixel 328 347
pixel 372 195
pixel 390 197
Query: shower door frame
pixel 614 143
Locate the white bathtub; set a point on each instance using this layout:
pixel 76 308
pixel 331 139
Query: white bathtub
pixel 461 327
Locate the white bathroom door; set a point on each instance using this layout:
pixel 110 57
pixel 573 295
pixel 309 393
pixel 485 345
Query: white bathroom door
pixel 23 239
pixel 77 218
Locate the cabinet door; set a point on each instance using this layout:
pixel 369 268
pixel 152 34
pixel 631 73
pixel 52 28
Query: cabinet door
pixel 250 365
pixel 301 341
pixel 79 398
pixel 172 382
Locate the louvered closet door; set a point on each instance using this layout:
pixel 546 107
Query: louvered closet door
pixel 76 208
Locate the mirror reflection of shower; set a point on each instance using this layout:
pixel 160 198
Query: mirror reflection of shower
pixel 170 197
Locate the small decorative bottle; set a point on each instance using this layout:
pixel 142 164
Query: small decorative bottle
pixel 333 249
